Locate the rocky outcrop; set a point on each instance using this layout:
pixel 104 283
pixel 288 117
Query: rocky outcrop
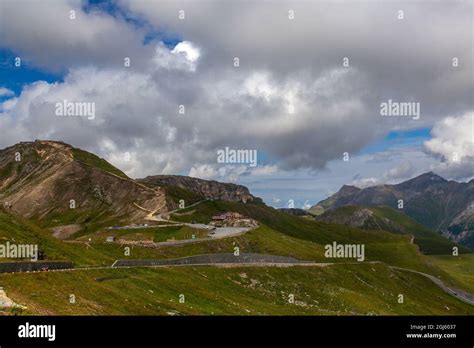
pixel 206 189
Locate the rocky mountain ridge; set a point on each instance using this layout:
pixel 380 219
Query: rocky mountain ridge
pixel 208 189
pixel 442 205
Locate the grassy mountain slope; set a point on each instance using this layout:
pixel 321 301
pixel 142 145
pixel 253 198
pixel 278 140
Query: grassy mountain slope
pixel 391 220
pixel 379 245
pixel 18 230
pixel 460 268
pixel 96 162
pixel 155 234
pixel 333 290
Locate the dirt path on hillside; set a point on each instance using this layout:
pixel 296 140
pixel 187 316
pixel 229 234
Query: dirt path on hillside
pixel 159 217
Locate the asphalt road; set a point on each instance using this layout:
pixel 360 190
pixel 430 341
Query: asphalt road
pixel 257 261
pixel 460 294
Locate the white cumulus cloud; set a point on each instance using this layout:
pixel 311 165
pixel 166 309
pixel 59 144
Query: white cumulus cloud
pixel 453 138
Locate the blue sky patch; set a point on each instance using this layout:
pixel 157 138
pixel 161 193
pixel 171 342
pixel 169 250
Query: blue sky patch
pixel 14 78
pixel 413 137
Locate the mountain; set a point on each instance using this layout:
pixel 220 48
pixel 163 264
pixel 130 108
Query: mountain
pixel 55 183
pixel 391 220
pixel 191 190
pixel 345 191
pixel 296 212
pixel 40 179
pixel 442 205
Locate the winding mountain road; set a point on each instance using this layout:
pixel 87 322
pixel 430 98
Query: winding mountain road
pixel 253 260
pixel 217 232
pixel 460 294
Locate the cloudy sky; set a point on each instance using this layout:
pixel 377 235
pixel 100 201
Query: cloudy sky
pixel 306 94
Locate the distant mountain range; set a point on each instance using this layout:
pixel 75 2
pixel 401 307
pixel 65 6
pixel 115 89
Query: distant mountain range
pixel 441 205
